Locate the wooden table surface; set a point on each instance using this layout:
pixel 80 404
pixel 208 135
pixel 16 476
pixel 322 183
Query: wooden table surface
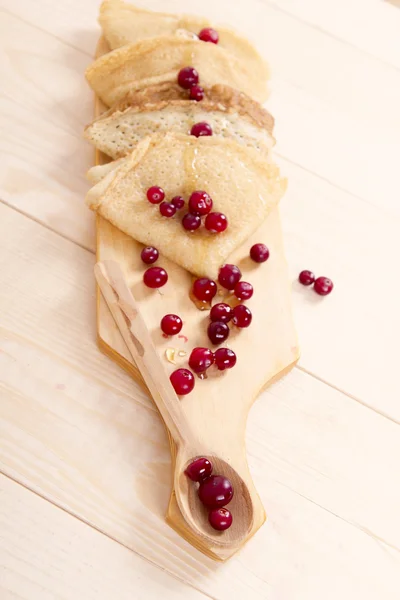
pixel 84 458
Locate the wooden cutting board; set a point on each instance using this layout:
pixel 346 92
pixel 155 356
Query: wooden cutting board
pixel 219 405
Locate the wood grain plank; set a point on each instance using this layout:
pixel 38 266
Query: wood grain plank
pixel 325 466
pixel 45 554
pixel 371 26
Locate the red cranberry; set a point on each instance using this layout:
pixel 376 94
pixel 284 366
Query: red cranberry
pixel 201 359
pixel 167 209
pixel 225 359
pixel 221 312
pixel 229 276
pixel 204 289
pixel 200 203
pixel 149 255
pixel 216 491
pixel 220 519
pixel 242 316
pixel 208 34
pixel 171 324
pixel 178 202
pixel 218 332
pixel 200 129
pixel 306 277
pixel 323 286
pixel 155 194
pixel 182 381
pixel 187 77
pixel 199 469
pixel 196 92
pixel 259 253
pixel 216 222
pixel 243 290
pixel 191 222
pixel 155 277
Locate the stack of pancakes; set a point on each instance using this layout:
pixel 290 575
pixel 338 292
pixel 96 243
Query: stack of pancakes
pixel 147 132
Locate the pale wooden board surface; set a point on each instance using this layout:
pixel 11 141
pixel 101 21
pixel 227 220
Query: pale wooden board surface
pixel 83 435
pixel 48 554
pixel 325 465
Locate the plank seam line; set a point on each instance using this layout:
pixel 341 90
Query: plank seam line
pixel 45 31
pixel 151 406
pixel 95 528
pixel 379 209
pixel 377 538
pixel 334 36
pixel 349 395
pixel 46 226
pixel 303 369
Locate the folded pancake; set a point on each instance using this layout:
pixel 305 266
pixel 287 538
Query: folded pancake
pixel 124 23
pixel 230 114
pixel 158 60
pixel 243 183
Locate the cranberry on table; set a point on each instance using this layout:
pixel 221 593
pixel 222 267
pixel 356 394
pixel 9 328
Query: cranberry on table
pixel 200 203
pixel 167 209
pixel 191 222
pixel 200 129
pixel 216 222
pixel 201 359
pixel 204 289
pixel 178 202
pixel 243 290
pixel 199 469
pixel 188 77
pixel 259 253
pixel 155 194
pixel 306 277
pixel 323 286
pixel 229 276
pixel 225 358
pixel 208 34
pixel 155 277
pixel 182 381
pixel 241 316
pixel 171 324
pixel 220 519
pixel 196 92
pixel 149 255
pixel 216 491
pixel 217 332
pixel 221 312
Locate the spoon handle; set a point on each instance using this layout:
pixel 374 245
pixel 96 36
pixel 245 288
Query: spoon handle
pixel 129 320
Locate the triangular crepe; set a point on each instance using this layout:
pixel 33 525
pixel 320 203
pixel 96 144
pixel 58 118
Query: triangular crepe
pixel 231 114
pixel 244 184
pixel 123 23
pixel 159 59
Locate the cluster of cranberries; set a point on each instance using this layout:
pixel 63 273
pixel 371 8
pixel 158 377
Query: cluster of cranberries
pixel 188 77
pixel 215 492
pixel 322 285
pixel 200 204
pixel 221 314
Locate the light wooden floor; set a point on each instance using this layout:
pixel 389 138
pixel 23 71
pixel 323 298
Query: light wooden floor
pixel 83 456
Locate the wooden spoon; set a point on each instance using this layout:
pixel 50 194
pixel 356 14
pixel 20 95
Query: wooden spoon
pixel 246 503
